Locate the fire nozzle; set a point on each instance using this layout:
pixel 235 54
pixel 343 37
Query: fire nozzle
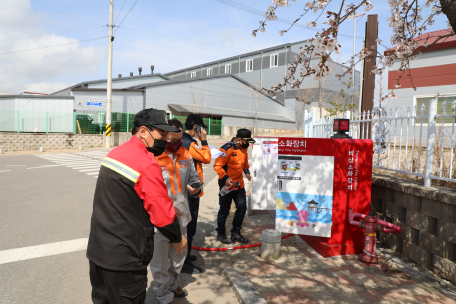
pixel 370 223
pixel 235 185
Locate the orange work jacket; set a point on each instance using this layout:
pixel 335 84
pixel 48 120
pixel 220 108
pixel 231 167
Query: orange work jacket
pixel 232 163
pixel 201 154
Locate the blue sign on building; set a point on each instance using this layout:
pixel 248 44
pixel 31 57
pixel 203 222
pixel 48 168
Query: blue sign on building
pixel 96 104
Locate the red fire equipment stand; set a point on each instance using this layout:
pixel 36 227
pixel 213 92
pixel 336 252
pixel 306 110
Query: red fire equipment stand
pixel 347 239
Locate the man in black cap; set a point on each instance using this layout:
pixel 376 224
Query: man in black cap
pixel 230 167
pixel 201 154
pixel 130 200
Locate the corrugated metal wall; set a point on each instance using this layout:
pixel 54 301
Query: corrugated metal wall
pixel 125 102
pixel 24 113
pixel 125 82
pixel 225 92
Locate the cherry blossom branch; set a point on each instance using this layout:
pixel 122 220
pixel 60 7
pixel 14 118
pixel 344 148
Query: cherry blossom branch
pixel 405 19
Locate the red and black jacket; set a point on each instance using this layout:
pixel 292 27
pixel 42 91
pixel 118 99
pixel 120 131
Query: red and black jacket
pixel 130 199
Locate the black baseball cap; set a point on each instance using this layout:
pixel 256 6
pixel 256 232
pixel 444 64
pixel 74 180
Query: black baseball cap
pixel 245 134
pixel 155 118
pixel 196 119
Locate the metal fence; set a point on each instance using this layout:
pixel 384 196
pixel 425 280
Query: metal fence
pixel 31 121
pixel 80 122
pixel 94 122
pixel 412 141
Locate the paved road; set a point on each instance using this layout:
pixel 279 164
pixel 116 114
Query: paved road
pixel 46 199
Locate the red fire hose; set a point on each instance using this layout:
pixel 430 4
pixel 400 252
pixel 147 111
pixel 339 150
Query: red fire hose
pixel 237 247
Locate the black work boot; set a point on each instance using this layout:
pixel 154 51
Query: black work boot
pixel 236 236
pixel 223 238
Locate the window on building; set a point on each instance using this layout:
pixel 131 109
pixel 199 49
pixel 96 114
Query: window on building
pixel 209 72
pixel 227 68
pixel 425 100
pixel 249 65
pixel 192 74
pixel 274 61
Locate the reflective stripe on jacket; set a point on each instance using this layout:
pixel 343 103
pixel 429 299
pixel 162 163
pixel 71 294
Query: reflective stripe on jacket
pixel 232 163
pixel 130 198
pixel 201 155
pixel 177 174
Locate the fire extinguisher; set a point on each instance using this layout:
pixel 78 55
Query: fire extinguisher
pixel 227 189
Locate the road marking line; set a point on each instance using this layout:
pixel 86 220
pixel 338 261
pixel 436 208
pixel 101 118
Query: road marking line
pixel 5 170
pixel 42 167
pixel 64 158
pixel 32 252
pixel 77 161
pixel 81 164
pixel 92 173
pixel 84 167
pixel 93 169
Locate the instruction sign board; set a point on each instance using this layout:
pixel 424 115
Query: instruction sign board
pixel 270 148
pixel 304 199
pixel 264 170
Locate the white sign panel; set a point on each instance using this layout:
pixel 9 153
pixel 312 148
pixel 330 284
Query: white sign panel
pixel 264 173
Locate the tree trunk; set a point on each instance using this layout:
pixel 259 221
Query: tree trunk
pixel 449 9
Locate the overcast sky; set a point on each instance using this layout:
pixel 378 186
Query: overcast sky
pixel 227 29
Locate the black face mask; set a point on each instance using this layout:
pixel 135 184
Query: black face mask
pixel 158 148
pixel 245 146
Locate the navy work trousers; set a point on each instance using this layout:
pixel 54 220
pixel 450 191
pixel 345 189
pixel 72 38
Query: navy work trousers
pixel 193 204
pixel 225 204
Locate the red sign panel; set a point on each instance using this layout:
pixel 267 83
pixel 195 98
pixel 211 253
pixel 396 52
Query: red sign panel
pixel 306 146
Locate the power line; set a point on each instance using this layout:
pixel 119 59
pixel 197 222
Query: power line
pixel 126 15
pixel 260 13
pixel 45 47
pixel 232 47
pixel 120 11
pixel 91 28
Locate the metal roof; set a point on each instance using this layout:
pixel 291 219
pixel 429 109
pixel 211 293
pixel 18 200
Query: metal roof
pixel 237 56
pixel 113 79
pixel 188 108
pixel 104 90
pixel 174 81
pixel 36 96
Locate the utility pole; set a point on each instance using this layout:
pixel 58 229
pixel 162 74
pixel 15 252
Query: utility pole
pixel 354 50
pixel 367 102
pixel 109 79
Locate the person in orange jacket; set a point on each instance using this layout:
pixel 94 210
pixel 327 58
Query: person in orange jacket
pixel 195 127
pixel 182 181
pixel 230 167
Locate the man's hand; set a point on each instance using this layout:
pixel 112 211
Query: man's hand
pixel 248 177
pixel 180 247
pixel 178 212
pixel 202 135
pixel 229 182
pixel 193 190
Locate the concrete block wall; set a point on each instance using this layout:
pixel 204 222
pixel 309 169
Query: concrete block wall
pixel 427 216
pixel 11 142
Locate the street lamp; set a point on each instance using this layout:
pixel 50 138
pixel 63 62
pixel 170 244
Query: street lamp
pixel 354 50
